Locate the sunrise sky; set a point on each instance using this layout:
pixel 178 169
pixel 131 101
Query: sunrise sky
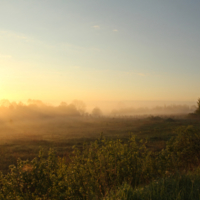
pixel 119 50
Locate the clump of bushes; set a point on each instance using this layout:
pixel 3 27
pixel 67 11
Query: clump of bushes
pixel 40 178
pixel 182 151
pixel 107 164
pixel 101 167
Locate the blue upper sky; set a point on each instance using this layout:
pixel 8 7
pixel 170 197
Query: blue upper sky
pixel 100 49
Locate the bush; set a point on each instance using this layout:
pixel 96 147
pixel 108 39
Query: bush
pixel 107 164
pixel 183 150
pixel 37 179
pixel 91 174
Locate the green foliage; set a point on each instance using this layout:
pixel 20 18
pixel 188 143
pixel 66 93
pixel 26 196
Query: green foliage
pixel 103 166
pixel 106 164
pixel 36 179
pixel 180 187
pixel 182 151
pixel 92 172
pixel 124 192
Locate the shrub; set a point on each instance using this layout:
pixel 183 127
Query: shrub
pixel 183 150
pixel 91 174
pixel 107 164
pixel 37 179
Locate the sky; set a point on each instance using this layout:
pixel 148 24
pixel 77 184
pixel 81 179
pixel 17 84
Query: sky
pixel 100 50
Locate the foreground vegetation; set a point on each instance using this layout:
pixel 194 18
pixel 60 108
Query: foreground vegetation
pixel 158 160
pixel 111 169
pixel 23 138
pixel 179 186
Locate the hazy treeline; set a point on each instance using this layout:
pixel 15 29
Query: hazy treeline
pixel 157 110
pixel 37 109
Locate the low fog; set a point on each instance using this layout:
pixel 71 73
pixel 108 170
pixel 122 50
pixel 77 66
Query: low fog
pixel 38 121
pixel 36 109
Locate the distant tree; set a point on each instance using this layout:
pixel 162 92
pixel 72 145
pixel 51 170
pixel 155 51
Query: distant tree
pixel 36 102
pixel 96 112
pixel 80 106
pixel 72 110
pixel 63 104
pixel 5 103
pixel 198 107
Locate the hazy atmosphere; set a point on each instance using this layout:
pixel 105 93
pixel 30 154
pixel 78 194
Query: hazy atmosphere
pixel 100 51
pixel 99 99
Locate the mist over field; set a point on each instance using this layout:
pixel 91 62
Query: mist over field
pixel 99 100
pixel 38 110
pixel 36 120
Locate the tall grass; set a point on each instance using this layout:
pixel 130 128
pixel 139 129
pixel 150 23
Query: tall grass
pixel 179 187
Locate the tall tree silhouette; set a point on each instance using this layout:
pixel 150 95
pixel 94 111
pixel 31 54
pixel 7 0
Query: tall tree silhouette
pixel 198 107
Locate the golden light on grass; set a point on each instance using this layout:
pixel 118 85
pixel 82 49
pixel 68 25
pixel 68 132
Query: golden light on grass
pixel 27 168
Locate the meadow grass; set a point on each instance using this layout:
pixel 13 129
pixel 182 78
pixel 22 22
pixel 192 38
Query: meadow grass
pixel 23 138
pixel 111 169
pixel 158 160
pixel 178 186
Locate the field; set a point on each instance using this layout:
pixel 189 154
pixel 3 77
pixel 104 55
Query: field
pixel 23 138
pixel 99 157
